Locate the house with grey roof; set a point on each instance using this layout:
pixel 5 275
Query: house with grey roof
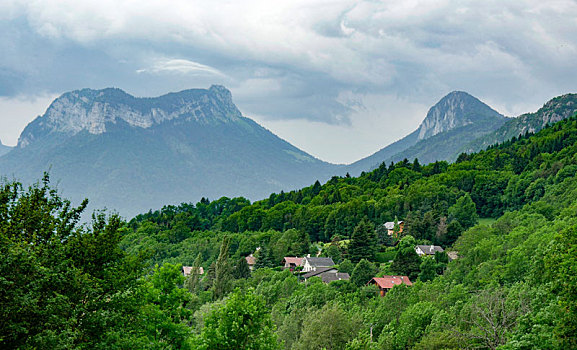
pixel 327 274
pixel 313 263
pixel 428 249
pixel 390 226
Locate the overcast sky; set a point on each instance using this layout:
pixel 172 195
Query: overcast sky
pixel 338 78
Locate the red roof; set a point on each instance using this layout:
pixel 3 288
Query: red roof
pixel 295 260
pixel 387 282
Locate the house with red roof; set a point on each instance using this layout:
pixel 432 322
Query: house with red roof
pixel 291 263
pixel 387 282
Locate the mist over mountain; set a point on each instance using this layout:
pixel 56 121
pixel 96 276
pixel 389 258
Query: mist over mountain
pixel 4 149
pixel 133 154
pixel 450 124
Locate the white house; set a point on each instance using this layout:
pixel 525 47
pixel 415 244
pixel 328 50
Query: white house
pixel 311 264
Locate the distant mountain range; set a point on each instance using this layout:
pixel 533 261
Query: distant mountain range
pixel 134 154
pixel 555 110
pixel 460 123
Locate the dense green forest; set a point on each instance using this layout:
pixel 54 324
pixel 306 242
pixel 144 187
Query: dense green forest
pixel 509 213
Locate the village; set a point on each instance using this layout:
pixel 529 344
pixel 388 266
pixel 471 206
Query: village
pixel 325 269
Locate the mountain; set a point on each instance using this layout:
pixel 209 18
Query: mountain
pixel 131 154
pixel 556 109
pixel 4 149
pixel 450 124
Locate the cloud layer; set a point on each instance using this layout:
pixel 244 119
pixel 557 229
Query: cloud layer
pixel 336 62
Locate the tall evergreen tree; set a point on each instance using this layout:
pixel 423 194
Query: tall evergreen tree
pixel 193 280
pixel 302 246
pixel 223 273
pixel 363 273
pixel 363 242
pixel 241 270
pixel 265 258
pixel 464 211
pixel 407 262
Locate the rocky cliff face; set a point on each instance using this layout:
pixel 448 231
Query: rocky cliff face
pixel 134 154
pixel 456 109
pixel 93 110
pixel 453 122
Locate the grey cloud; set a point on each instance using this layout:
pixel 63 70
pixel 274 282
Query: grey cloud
pixel 294 59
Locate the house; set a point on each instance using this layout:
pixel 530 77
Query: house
pixel 428 249
pixel 390 226
pixel 387 282
pixel 453 255
pixel 312 264
pixel 327 274
pixel 187 270
pixel 291 263
pixel 251 261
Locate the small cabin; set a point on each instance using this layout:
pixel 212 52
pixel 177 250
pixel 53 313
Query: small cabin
pixel 385 283
pixel 291 263
pixel 390 226
pixel 188 270
pixel 251 261
pixel 423 250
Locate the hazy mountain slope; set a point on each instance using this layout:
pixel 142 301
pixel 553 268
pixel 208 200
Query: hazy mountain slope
pixel 459 113
pixel 134 154
pixel 4 149
pixel 556 109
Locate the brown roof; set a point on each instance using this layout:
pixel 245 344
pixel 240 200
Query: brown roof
pixel 251 260
pixel 293 260
pixel 387 282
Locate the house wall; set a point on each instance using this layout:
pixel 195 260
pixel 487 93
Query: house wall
pixel 307 267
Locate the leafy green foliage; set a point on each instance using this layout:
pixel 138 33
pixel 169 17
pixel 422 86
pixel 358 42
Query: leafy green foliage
pixel 241 323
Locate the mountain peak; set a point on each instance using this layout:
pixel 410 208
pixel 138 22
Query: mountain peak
pixel 92 110
pixel 456 109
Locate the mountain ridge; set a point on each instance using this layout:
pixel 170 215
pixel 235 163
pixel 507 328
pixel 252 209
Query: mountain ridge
pixel 91 110
pixel 455 111
pixel 200 146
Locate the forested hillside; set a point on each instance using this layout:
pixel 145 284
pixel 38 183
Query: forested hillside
pixel 509 215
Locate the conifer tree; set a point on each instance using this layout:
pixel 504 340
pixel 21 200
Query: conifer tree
pixel 264 258
pixel 223 271
pixel 193 280
pixel 241 270
pixel 363 273
pixel 363 242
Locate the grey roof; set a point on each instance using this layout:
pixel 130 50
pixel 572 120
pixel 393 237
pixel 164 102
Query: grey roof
pixel 391 224
pixel 430 249
pixel 318 272
pixel 327 274
pixel 320 262
pixel 335 276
